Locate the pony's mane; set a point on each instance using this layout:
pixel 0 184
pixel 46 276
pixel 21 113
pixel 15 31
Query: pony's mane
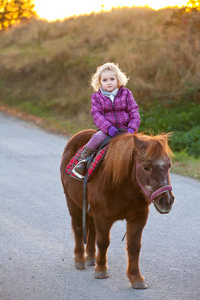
pixel 122 152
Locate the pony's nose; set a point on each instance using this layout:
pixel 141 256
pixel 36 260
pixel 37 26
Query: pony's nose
pixel 163 201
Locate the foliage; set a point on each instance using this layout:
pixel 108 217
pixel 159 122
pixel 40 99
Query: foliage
pixel 188 140
pixel 182 120
pixel 14 11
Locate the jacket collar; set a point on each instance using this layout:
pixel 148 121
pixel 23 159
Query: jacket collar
pixel 118 93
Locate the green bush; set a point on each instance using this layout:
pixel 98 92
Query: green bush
pixel 190 141
pixel 183 120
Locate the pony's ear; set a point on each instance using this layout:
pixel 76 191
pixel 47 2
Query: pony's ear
pixel 139 144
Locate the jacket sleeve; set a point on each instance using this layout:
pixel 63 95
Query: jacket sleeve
pixel 98 116
pixel 133 111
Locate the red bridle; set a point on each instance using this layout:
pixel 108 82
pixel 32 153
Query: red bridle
pixel 156 193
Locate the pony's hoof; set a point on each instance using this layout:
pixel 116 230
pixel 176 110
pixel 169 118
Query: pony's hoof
pixel 140 285
pixel 90 262
pixel 101 274
pixel 80 265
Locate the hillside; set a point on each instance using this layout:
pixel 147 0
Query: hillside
pixel 45 68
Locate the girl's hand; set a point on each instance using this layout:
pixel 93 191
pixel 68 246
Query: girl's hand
pixel 112 131
pixel 131 130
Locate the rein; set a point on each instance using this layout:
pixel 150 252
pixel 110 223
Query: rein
pixel 156 193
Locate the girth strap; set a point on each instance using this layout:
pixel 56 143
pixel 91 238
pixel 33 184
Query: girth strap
pixel 85 181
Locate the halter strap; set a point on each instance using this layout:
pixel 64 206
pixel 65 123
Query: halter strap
pixel 156 193
pixel 161 191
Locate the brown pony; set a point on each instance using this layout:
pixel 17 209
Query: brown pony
pixel 134 173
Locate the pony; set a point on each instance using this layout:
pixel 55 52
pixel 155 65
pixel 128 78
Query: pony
pixel 133 174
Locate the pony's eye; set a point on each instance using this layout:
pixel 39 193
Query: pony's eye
pixel 146 168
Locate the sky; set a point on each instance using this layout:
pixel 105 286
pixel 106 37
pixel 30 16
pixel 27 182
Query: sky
pixel 60 9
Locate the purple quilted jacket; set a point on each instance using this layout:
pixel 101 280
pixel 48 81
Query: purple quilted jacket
pixel 121 113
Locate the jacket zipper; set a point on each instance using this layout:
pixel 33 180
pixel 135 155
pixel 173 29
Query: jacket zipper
pixel 114 113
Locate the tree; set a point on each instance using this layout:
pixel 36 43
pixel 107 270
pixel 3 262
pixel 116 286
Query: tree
pixel 187 17
pixel 194 3
pixel 15 11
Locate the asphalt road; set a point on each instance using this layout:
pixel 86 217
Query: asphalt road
pixel 36 246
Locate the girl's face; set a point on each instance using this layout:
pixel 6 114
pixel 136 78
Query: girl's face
pixel 108 80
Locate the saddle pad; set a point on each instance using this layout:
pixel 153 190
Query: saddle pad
pixel 93 166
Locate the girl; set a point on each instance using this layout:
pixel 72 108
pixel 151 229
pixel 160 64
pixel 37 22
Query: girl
pixel 113 108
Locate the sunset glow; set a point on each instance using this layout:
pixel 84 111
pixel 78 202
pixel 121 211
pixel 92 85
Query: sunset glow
pixel 61 9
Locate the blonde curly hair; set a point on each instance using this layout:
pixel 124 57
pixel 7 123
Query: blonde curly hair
pixel 122 79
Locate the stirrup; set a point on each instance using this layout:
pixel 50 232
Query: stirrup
pixel 76 173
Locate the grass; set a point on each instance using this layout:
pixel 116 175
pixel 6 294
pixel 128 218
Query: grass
pixel 186 165
pixel 45 70
pixel 54 61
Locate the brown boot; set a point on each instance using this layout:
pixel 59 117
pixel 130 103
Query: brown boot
pixel 80 168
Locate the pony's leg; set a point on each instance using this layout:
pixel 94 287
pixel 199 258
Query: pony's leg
pixel 134 234
pixel 90 248
pixel 76 218
pixel 103 227
pixel 79 250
